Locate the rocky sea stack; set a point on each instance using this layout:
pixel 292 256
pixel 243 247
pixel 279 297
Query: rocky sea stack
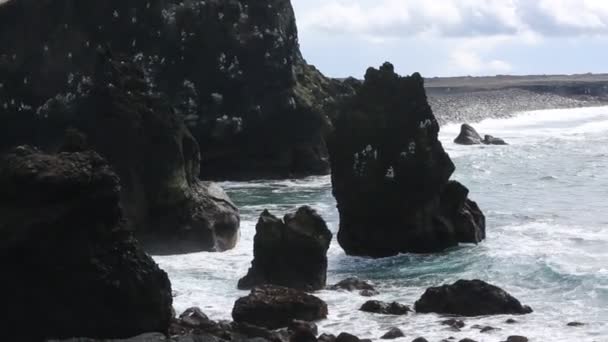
pixel 74 269
pixel 390 174
pixel 291 252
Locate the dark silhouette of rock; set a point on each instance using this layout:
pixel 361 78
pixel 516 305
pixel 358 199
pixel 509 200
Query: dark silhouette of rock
pixel 490 140
pixel 355 284
pixel 511 321
pixel 346 337
pixel 232 71
pixel 390 173
pixel 291 252
pixel 469 298
pixel 393 334
pixel 517 339
pixel 326 338
pixel 275 307
pixel 393 308
pixel 468 136
pixel 420 339
pixel 74 268
pixel 576 324
pixel 467 340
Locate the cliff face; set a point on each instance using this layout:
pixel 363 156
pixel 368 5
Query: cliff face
pixel 231 69
pixel 67 253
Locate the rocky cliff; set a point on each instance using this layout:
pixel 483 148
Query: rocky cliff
pixel 231 69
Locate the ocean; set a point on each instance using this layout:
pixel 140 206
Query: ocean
pixel 545 200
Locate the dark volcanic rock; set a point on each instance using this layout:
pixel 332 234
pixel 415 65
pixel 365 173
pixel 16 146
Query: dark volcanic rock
pixel 393 334
pixel 291 252
pixel 393 308
pixel 346 337
pixel 390 173
pixel 517 339
pixel 68 254
pixel 468 136
pixel 454 323
pixel 326 338
pixel 490 140
pixel 275 307
pixel 469 298
pixel 156 157
pixel 420 339
pixel 232 70
pixel 355 284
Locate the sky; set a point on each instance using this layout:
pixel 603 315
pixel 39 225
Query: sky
pixel 455 37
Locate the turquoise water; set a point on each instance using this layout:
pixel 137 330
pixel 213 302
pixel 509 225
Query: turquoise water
pixel 547 215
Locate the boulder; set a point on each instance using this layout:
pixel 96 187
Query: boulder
pixel 275 307
pixel 355 284
pixel 490 140
pixel 469 298
pixel 516 338
pixel 291 252
pixel 390 173
pixel 379 307
pixel 393 334
pixel 326 338
pixel 231 69
pixel 468 136
pixel 75 270
pixel 454 323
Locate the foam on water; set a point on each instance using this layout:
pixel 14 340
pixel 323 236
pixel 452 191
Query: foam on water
pixel 544 196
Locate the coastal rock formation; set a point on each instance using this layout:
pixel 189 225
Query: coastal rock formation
pixel 379 307
pixel 469 136
pixel 232 70
pixel 390 174
pixel 74 269
pixel 275 307
pixel 291 252
pixel 355 284
pixel 393 334
pixel 470 298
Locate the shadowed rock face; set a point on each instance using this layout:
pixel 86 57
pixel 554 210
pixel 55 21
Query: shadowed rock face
pixel 390 174
pixel 291 252
pixel 74 269
pixel 470 298
pixel 232 70
pixel 276 307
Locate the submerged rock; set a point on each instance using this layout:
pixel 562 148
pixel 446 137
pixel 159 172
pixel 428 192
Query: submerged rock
pixel 468 136
pixel 355 284
pixel 74 268
pixel 291 252
pixel 469 298
pixel 490 140
pixel 390 173
pixel 276 307
pixel 379 307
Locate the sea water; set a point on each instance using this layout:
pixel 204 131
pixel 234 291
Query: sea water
pixel 545 199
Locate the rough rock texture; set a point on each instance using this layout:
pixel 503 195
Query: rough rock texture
pixel 393 308
pixel 390 173
pixel 355 284
pixel 291 252
pixel 156 157
pixel 232 70
pixel 393 334
pixel 468 136
pixel 275 307
pixel 469 298
pixel 74 270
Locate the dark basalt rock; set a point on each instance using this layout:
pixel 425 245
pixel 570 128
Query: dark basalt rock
pixel 469 298
pixel 468 136
pixel 346 337
pixel 154 154
pixel 390 174
pixel 576 324
pixel 454 323
pixel 393 308
pixel 69 255
pixel 232 70
pixel 326 338
pixel 275 307
pixel 420 339
pixel 517 339
pixel 393 334
pixel 355 284
pixel 490 140
pixel 291 252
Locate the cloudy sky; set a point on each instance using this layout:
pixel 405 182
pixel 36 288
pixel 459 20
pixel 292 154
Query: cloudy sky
pixel 455 37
